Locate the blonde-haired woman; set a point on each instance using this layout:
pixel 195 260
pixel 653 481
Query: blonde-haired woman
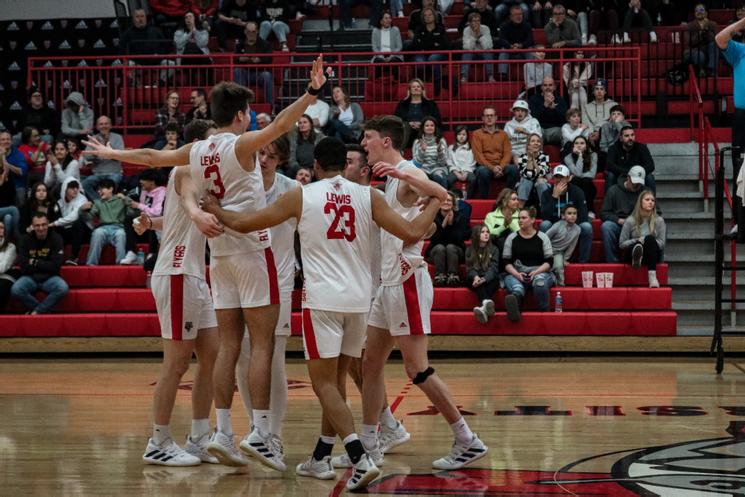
pixel 502 221
pixel 643 236
pixel 415 107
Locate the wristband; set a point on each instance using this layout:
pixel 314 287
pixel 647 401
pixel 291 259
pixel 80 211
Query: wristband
pixel 312 91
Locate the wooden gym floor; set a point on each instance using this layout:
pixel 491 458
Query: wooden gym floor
pixel 585 426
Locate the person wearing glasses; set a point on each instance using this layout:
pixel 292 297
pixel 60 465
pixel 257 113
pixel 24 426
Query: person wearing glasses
pixel 560 31
pixel 493 153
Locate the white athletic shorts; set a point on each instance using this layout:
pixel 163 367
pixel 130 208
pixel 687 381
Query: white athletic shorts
pixel 184 305
pixel 328 334
pixel 404 309
pixel 244 280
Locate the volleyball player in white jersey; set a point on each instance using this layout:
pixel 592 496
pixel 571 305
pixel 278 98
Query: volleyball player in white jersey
pixel 283 245
pixel 243 273
pixel 335 219
pixel 186 315
pixel 401 311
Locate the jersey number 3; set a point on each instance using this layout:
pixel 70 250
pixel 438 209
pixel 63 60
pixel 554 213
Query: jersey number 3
pixel 342 226
pixel 213 172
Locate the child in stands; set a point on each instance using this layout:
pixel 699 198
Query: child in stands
pixel 461 162
pixel 109 212
pixel 574 127
pixel 564 236
pixel 482 271
pixel 520 127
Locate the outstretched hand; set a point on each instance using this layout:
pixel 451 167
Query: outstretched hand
pixel 317 76
pixel 95 147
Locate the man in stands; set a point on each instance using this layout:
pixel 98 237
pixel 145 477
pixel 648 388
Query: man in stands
pixel 488 17
pixel 618 204
pixel 701 50
pixel 514 33
pixel 625 154
pixel 16 169
pixel 550 109
pixel 493 153
pixel 560 31
pixel 40 256
pixel 70 225
pixel 38 115
pixel 200 107
pixel 103 168
pixel 250 72
pixel 144 39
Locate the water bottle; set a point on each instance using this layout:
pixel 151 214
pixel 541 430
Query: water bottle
pixel 559 304
pixel 141 258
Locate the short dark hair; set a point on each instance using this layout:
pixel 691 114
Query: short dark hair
pixel 200 92
pixel 197 129
pixel 473 15
pixel 354 147
pixel 388 126
pixel 568 206
pixel 174 127
pixel 105 183
pixel 149 175
pixel 227 100
pixel 331 154
pixel 625 127
pixel 72 184
pixel 282 148
pixel 39 215
pixel 617 108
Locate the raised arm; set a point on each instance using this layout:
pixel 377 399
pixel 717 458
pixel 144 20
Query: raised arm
pixel 142 156
pixel 288 205
pixel 408 231
pixel 724 36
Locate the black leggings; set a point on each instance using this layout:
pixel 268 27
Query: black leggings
pixel 652 253
pixel 486 290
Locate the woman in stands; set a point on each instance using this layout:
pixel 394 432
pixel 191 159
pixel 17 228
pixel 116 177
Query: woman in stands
pixel 502 221
pixel 447 245
pixel 643 236
pixel 303 142
pixel 482 271
pixel 7 259
pixel 33 148
pixel 461 163
pixel 528 257
pixel 169 113
pixel 583 164
pixel 60 166
pixel 415 107
pixel 345 117
pixel 192 39
pixel 387 43
pixel 73 148
pixel 534 168
pixel 430 151
pixel 39 201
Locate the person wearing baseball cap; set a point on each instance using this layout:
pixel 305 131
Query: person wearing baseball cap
pixel 520 127
pixel 596 112
pixel 618 204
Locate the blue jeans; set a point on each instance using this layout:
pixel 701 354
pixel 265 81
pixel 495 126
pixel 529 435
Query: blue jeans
pixel 11 218
pixel 90 183
pixel 610 232
pixel 263 78
pixel 525 186
pixel 108 234
pixel 484 176
pixel 436 68
pixel 540 284
pixel 279 28
pixel 703 56
pixel 25 288
pixel 489 68
pixel 440 178
pixel 585 238
pixel 339 130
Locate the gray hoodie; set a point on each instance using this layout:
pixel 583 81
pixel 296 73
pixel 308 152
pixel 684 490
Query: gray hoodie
pixel 69 210
pixel 520 140
pixel 74 122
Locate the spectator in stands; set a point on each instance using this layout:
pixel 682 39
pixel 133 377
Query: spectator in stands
pixel 416 19
pixel 738 34
pixel 477 38
pixel 200 107
pixel 103 168
pixel 304 175
pixel 60 166
pixel 109 213
pixel 574 127
pixel 255 74
pixel 576 74
pixel 515 33
pixel 345 117
pixel 169 113
pixel 550 109
pixel 15 169
pixel 535 71
pixel 430 151
pixel 618 204
pixel 625 154
pixel 540 13
pixel 192 38
pixel 502 221
pixel 41 201
pixel 32 147
pixel 637 17
pixel 534 168
pixel 461 162
pixel 700 47
pixel 493 152
pixel 275 14
pixel 520 127
pixel 143 39
pixel 73 146
pixel 152 195
pixel 642 238
pixel 415 107
pixel 319 114
pixel 70 225
pixel 558 196
pixel 564 236
pixel 40 256
pixel 603 15
pixel 77 116
pixel 488 17
pixel 583 166
pixel 610 130
pixel 528 257
pixel 447 245
pixel 303 141
pixel 7 261
pixel 560 31
pixel 433 38
pixel 174 10
pixel 595 113
pixel 262 120
pixel 376 8
pixel 39 116
pixel 386 41
pixel 482 271
pixel 171 141
pixel 504 10
pixel 577 11
pixel 232 19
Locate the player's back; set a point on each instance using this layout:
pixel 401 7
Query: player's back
pixel 335 238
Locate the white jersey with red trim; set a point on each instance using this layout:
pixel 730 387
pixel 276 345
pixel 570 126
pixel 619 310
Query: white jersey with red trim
pixel 283 237
pixel 215 168
pixel 398 262
pixel 182 245
pixel 375 258
pixel 335 235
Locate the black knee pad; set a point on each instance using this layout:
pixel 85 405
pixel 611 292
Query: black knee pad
pixel 422 376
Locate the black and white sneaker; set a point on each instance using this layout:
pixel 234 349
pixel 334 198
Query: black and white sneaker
pixel 267 449
pixel 460 455
pixel 363 473
pixel 636 255
pixel 168 454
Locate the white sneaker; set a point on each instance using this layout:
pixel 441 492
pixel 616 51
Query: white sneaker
pixel 488 305
pixel 615 39
pixel 652 277
pixel 626 38
pixel 168 454
pixel 129 258
pixel 365 471
pixel 460 455
pixel 584 39
pixel 223 448
pixel 593 40
pixel 343 461
pixel 390 438
pixel 268 450
pixel 198 448
pixel 322 470
pixel 480 315
pixel 652 37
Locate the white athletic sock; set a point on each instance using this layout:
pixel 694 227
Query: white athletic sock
pixel 161 433
pixel 387 419
pixel 462 432
pixel 224 425
pixel 199 428
pixel 350 438
pixel 369 436
pixel 328 440
pixel 262 420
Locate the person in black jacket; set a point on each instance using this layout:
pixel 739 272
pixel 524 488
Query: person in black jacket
pixel 38 115
pixel 40 256
pixel 432 37
pixel 618 204
pixel 482 271
pixel 515 33
pixel 625 154
pixel 415 107
pixel 447 245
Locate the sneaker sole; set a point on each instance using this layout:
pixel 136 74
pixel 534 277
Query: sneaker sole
pixel 224 457
pixel 365 480
pixel 172 464
pixel 396 443
pixel 637 257
pixel 476 458
pixel 480 315
pixel 512 307
pixel 269 463
pixel 490 309
pixel 318 476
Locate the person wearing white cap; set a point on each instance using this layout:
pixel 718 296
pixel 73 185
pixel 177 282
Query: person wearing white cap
pixel 595 113
pixel 618 204
pixel 520 127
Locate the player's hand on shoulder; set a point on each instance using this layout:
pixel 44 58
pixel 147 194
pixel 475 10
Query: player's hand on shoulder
pixel 208 224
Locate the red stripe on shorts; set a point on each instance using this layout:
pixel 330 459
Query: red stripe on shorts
pixel 310 336
pixel 271 269
pixel 413 312
pixel 177 306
